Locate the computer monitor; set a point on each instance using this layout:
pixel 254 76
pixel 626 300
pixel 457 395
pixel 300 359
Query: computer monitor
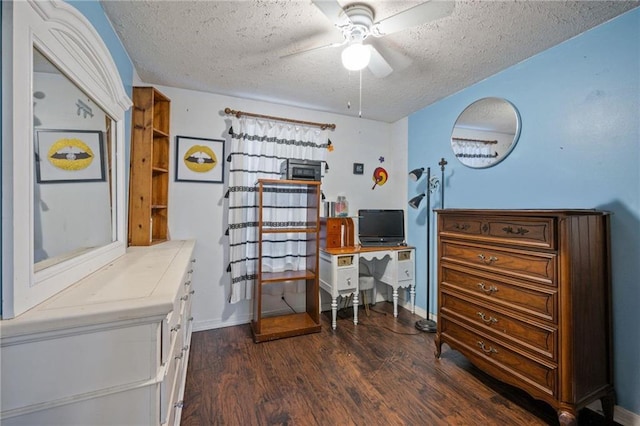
pixel 381 227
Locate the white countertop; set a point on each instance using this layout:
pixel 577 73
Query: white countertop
pixel 142 283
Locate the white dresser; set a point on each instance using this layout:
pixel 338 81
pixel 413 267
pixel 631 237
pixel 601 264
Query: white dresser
pixel 112 349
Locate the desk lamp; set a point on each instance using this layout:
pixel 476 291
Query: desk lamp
pixel 426 324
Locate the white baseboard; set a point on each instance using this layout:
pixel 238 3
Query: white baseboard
pixel 620 415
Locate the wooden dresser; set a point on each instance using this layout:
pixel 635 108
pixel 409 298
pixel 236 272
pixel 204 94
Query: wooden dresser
pixel 526 296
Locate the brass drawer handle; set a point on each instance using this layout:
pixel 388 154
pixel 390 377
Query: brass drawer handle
pixel 490 320
pixel 462 227
pixel 488 261
pixel 490 350
pixel 519 231
pixel 492 289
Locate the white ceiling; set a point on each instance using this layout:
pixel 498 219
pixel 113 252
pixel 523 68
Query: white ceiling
pixel 235 48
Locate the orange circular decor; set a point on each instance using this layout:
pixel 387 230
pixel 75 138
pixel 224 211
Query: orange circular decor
pixel 380 176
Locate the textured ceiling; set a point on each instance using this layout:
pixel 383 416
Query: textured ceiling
pixel 236 48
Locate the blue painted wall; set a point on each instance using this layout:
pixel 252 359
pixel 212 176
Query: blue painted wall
pixel 579 148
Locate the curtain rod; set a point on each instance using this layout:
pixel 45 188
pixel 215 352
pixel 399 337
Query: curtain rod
pixel 475 140
pixel 323 126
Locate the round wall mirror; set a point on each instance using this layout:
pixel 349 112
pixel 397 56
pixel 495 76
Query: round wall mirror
pixel 485 132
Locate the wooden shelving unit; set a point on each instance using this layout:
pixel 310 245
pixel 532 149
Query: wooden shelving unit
pixel 291 324
pixel 149 179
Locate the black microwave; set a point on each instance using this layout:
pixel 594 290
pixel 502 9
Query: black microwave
pixel 294 169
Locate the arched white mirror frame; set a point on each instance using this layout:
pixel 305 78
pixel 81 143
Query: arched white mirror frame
pixel 69 41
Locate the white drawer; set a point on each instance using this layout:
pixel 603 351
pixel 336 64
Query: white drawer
pixel 169 381
pixel 406 270
pixel 347 279
pixel 169 391
pixel 83 363
pixel 129 407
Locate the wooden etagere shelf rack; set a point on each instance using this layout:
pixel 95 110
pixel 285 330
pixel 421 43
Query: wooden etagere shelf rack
pixel 149 180
pixel 296 323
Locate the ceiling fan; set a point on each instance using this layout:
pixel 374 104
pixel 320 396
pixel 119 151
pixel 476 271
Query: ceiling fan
pixel 356 22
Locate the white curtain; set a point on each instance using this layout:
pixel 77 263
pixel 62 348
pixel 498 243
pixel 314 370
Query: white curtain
pixel 258 147
pixel 472 153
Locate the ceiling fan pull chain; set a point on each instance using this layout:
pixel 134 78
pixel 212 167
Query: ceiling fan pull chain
pixel 360 101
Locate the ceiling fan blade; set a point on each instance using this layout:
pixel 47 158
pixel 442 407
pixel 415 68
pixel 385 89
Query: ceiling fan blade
pixel 420 14
pixel 378 66
pixel 394 55
pixel 326 46
pixel 333 11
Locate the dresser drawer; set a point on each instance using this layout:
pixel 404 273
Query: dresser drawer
pixel 536 376
pixel 530 232
pixel 528 299
pixel 534 337
pixel 536 266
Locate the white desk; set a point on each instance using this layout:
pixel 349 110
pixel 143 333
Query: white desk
pixel 339 270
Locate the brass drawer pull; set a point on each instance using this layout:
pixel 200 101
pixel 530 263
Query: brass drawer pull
pixel 492 289
pixel 490 350
pixel 487 261
pixel 490 320
pixel 462 227
pixel 519 231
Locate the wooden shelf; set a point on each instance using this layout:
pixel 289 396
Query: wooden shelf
pixel 276 327
pixel 290 230
pixel 273 277
pixel 149 180
pixel 290 325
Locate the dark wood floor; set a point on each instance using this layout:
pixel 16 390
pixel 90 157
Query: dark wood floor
pixel 380 372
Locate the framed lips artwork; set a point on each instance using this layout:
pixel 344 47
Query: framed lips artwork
pixel 199 160
pixel 69 156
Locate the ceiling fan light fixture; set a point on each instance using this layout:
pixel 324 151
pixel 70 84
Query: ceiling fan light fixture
pixel 356 56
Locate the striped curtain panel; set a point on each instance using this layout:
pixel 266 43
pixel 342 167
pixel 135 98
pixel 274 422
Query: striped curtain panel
pixel 473 154
pixel 258 147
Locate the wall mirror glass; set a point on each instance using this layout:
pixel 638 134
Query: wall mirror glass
pixel 63 129
pixel 485 132
pixel 73 185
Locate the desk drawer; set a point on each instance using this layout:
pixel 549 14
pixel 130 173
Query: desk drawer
pixel 536 266
pixel 347 279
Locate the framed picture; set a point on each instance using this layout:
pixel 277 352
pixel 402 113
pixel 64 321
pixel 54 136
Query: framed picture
pixel 358 168
pixel 199 160
pixel 69 156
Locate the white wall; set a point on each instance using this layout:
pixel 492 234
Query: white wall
pixel 196 210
